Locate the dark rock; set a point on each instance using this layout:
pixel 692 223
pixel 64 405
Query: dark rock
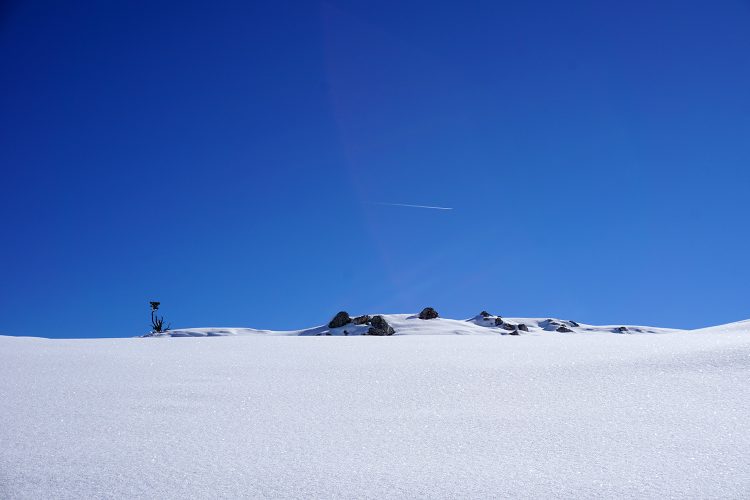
pixel 550 324
pixel 341 319
pixel 515 332
pixel 621 329
pixel 485 314
pixel 346 332
pixel 508 326
pixel 523 327
pixel 498 321
pixel 361 320
pixel 563 329
pixel 428 313
pixel 379 322
pixel 380 327
pixel 573 323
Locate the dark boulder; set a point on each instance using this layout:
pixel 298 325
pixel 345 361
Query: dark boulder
pixel 573 323
pixel 498 321
pixel 515 332
pixel 563 329
pixel 341 319
pixel 361 320
pixel 523 327
pixel 485 314
pixel 508 326
pixel 428 313
pixel 379 322
pixel 380 327
pixel 621 329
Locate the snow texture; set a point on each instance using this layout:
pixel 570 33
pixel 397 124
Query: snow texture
pixel 544 414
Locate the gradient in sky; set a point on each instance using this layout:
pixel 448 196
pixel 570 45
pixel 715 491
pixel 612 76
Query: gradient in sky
pixel 235 162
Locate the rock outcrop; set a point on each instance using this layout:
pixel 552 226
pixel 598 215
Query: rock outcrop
pixel 428 313
pixel 563 329
pixel 380 327
pixel 523 327
pixel 342 318
pixel 361 320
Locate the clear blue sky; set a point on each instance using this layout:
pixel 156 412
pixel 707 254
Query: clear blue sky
pixel 224 158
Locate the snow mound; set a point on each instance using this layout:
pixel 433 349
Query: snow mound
pixel 736 327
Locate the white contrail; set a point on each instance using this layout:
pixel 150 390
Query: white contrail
pixel 411 206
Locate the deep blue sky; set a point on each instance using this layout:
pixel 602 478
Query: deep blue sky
pixel 224 159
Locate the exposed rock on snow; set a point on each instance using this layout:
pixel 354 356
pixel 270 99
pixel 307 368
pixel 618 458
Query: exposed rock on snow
pixel 361 320
pixel 523 327
pixel 428 313
pixel 342 318
pixel 551 324
pixel 563 329
pixel 380 327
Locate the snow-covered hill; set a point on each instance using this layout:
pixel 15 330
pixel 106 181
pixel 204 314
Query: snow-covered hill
pixel 410 324
pixel 543 415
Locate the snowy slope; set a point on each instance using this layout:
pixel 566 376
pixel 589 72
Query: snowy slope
pixel 547 415
pixel 736 327
pixel 410 324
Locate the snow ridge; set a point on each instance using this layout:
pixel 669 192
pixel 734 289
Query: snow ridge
pixel 481 324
